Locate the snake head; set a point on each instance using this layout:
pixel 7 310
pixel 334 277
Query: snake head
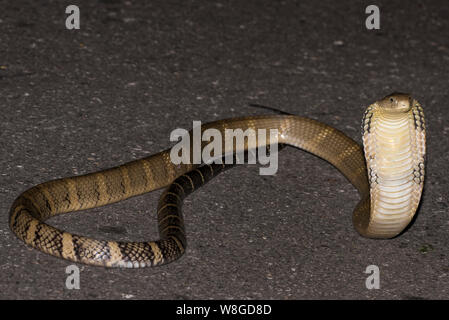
pixel 396 102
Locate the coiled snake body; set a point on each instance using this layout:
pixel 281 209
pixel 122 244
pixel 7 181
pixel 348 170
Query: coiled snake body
pixel 390 183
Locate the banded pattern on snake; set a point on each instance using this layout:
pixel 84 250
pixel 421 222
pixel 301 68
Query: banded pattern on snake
pixel 389 182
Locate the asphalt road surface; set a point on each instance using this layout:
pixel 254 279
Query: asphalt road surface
pixel 82 100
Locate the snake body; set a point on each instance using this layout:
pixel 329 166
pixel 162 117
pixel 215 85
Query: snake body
pixel 389 182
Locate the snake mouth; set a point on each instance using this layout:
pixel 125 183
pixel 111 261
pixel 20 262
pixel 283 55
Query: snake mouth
pixel 401 108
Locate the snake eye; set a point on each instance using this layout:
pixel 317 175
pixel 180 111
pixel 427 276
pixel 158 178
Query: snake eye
pixel 391 100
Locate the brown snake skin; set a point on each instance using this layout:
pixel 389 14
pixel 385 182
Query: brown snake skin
pixel 373 217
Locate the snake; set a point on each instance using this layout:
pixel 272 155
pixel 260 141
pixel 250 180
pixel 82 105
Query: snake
pixel 388 172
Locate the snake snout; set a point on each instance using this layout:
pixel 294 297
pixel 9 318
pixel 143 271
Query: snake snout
pixel 404 106
pixel 397 102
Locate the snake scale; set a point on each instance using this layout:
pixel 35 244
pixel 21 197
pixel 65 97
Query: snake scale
pixel 389 182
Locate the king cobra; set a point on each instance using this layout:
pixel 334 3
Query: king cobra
pixel 389 179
